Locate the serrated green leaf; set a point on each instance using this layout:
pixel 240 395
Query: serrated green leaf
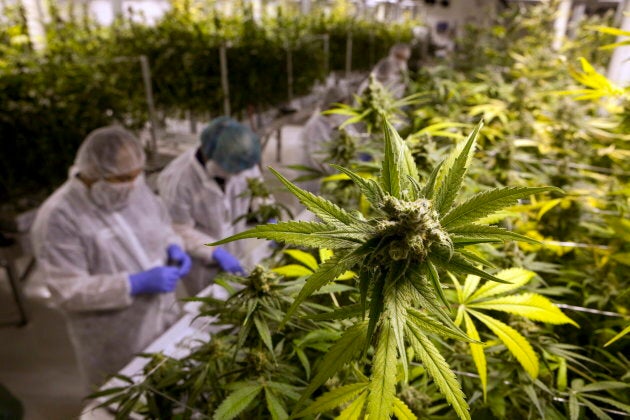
pixel 528 305
pixel 452 173
pixel 275 407
pixel 306 364
pixel 237 401
pixel 595 409
pixel 303 257
pixel 432 275
pixel 574 407
pixel 473 256
pixel 396 304
pixel 487 202
pixel 349 345
pixel 326 272
pixel 292 270
pixel 603 386
pixel 429 188
pixel 397 164
pixel 427 299
pixel 383 381
pixel 529 390
pixel 333 399
pixel 430 325
pixel 513 340
pixel 480 232
pixel 263 332
pixel 344 312
pixel 326 210
pixel 439 370
pixel 476 350
pixel 513 279
pixel 624 332
pixel 470 285
pixel 293 233
pixel 354 410
pixel 458 264
pixel 614 403
pixel 402 412
pixel 376 306
pixel 369 188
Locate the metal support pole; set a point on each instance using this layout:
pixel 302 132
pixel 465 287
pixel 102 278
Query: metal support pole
pixel 326 54
pixel 225 85
pixel 289 72
pixel 279 145
pixel 148 90
pixel 348 54
pixel 619 65
pixel 560 25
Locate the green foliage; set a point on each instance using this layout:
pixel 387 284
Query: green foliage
pixel 404 239
pixel 88 76
pixel 439 208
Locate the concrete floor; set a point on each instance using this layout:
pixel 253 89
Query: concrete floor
pixel 36 361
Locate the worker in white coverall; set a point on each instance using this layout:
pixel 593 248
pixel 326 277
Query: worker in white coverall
pixel 391 71
pixel 205 190
pixel 110 258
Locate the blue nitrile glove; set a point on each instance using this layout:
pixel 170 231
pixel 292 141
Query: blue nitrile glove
pixel 272 221
pixel 227 261
pixel 179 258
pixel 161 279
pixel 365 157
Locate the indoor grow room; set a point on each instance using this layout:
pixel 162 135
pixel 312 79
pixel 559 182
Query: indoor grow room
pixel 459 251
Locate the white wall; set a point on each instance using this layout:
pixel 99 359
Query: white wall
pixel 619 67
pixel 458 14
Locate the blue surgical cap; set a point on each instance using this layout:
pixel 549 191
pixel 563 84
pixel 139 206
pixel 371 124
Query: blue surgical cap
pixel 232 145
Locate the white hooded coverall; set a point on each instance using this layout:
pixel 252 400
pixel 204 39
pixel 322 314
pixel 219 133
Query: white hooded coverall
pixel 202 212
pixel 86 256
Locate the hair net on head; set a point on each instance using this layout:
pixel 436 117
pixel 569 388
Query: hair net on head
pixel 233 146
pixel 109 151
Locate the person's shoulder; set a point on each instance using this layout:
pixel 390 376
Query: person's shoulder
pixel 59 211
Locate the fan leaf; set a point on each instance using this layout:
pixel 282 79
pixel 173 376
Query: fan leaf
pixel 528 305
pixel 237 401
pixel 513 340
pixel 327 211
pixel 439 370
pixel 451 176
pixel 383 381
pixel 487 202
pixel 333 399
pixel 349 345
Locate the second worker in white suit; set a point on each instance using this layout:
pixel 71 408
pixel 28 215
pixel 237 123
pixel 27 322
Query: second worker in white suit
pixel 203 190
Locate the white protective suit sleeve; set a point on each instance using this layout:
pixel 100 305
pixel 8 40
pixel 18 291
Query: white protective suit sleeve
pixel 61 256
pixel 177 200
pixel 195 240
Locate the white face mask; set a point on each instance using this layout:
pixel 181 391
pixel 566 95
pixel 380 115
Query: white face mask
pixel 113 196
pixel 212 169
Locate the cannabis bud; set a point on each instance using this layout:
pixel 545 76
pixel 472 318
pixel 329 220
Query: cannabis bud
pixel 411 228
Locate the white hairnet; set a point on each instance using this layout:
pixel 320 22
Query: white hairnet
pixel 109 151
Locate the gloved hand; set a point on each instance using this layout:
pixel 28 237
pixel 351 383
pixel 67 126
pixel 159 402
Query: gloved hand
pixel 162 279
pixel 178 258
pixel 227 261
pixel 272 221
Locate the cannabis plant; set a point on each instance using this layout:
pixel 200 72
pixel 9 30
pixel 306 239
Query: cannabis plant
pixel 247 368
pixel 262 207
pixel 474 300
pixel 400 254
pixel 376 105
